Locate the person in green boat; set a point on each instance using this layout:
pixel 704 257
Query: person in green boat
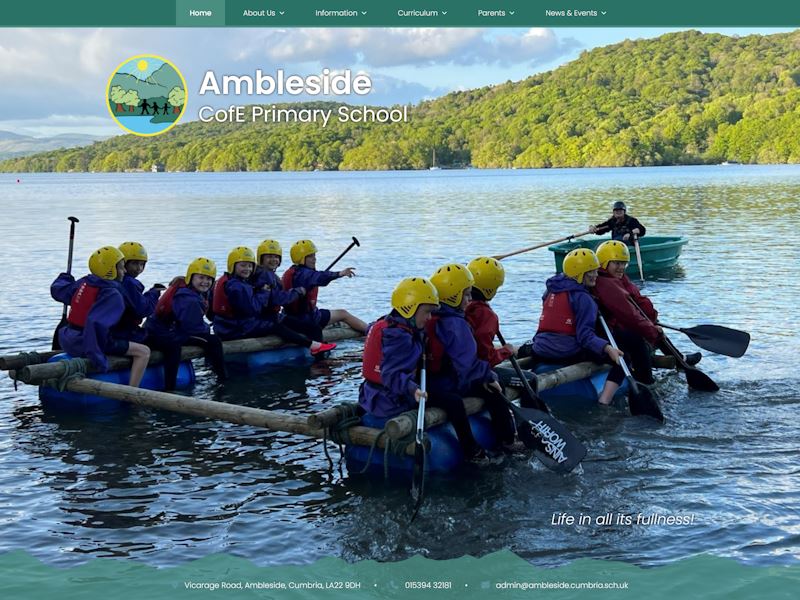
pixel 621 225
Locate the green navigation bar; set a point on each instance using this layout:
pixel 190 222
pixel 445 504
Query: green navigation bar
pixel 394 13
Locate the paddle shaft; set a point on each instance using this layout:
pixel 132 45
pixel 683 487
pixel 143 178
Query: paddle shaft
pixel 346 250
pixel 417 491
pixel 421 410
pixel 638 257
pixel 72 220
pixel 631 381
pixel 525 383
pixel 563 239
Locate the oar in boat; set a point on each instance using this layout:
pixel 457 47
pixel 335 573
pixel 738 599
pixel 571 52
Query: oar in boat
pixel 695 378
pixel 638 257
pixel 552 443
pixel 640 398
pixel 346 250
pixel 542 245
pixel 418 477
pixel 716 338
pixel 63 321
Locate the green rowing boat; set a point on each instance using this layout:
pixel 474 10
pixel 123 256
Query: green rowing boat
pixel 658 252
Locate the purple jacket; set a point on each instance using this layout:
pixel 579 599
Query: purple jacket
pixel 555 345
pixel 188 309
pixel 247 304
pixel 461 367
pixel 310 279
pixel 402 351
pixel 276 295
pixel 138 305
pixel 92 341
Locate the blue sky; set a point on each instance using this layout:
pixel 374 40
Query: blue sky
pixel 59 75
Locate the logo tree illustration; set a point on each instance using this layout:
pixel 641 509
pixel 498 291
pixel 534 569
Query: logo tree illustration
pixel 131 98
pixel 117 96
pixel 177 97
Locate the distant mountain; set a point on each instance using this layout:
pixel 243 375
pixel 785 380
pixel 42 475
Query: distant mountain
pixel 13 145
pixel 681 98
pixel 158 84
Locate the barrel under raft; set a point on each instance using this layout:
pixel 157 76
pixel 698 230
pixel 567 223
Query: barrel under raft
pixel 265 359
pixel 444 456
pixel 153 379
pixel 581 394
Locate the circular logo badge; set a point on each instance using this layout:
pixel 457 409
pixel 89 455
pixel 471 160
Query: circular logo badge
pixel 146 95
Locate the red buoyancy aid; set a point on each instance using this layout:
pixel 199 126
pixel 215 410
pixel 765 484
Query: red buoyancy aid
pixel 304 304
pixel 164 304
pixel 436 350
pixel 373 349
pixel 80 305
pixel 221 305
pixel 557 315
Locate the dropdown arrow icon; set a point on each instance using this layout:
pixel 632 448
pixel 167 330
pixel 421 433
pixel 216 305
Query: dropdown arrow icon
pixel 283 12
pixel 363 12
pixel 444 12
pixel 511 12
pixel 602 12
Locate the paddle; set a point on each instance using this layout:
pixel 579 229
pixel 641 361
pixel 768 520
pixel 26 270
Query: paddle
pixel 63 321
pixel 695 378
pixel 520 251
pixel 552 443
pixel 717 339
pixel 346 250
pixel 418 490
pixel 640 398
pixel 638 257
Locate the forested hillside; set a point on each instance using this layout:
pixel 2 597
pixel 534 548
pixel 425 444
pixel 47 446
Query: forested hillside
pixel 682 98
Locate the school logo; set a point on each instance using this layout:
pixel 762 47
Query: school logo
pixel 146 95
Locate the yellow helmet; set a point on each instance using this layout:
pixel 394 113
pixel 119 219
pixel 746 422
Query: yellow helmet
pixel 451 281
pixel 201 266
pixel 410 293
pixel 612 250
pixel 579 262
pixel 240 254
pixel 300 250
pixel 103 262
pixel 269 247
pixel 133 251
pixel 489 275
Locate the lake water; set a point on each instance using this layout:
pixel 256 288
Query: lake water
pixel 164 488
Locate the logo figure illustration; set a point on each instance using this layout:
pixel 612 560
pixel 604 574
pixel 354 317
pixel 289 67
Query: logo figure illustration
pixel 146 95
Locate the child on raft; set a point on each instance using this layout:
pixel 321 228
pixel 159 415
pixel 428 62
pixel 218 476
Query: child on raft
pixel 454 365
pixel 96 305
pixel 488 275
pixel 393 358
pixel 630 315
pixel 303 273
pixel 270 257
pixel 238 306
pixel 566 333
pixel 138 304
pixel 179 320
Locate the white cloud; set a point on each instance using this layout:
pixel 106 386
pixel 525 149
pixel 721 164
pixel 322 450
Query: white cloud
pixel 407 46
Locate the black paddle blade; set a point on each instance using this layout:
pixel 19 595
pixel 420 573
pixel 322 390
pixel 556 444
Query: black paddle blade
pixel 642 402
pixel 720 340
pixel 698 380
pixel 553 444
